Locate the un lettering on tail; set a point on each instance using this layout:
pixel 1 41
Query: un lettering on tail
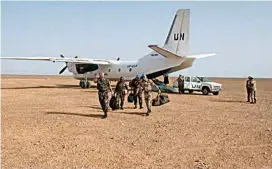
pixel 179 36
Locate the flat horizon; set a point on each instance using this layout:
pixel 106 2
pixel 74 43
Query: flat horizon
pixel 33 75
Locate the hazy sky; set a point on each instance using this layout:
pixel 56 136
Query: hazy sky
pixel 239 32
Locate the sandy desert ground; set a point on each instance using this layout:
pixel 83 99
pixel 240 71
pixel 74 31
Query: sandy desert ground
pixel 49 122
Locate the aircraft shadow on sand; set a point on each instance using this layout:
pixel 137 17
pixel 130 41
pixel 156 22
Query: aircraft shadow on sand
pixel 44 87
pixel 47 87
pixel 51 86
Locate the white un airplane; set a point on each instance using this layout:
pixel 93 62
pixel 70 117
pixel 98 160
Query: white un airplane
pixel 173 56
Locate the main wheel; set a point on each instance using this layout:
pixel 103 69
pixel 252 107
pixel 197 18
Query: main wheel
pixel 190 91
pixel 82 84
pixel 88 85
pixel 205 91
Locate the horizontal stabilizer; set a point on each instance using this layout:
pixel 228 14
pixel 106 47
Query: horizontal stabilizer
pixel 55 59
pixel 200 56
pixel 164 52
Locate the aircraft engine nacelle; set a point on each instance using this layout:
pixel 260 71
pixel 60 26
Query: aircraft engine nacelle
pixel 83 68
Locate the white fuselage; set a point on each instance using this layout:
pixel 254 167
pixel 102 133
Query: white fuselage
pixel 149 64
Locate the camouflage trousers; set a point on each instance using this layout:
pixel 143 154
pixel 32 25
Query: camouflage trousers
pixel 148 101
pixel 104 101
pixel 120 96
pixel 248 94
pixel 180 87
pixel 138 96
pixel 253 96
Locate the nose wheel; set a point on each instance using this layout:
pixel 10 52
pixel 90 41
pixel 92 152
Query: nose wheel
pixel 84 83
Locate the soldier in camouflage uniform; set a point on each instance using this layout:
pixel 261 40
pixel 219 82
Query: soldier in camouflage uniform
pixel 137 91
pixel 120 92
pixel 147 89
pixel 180 84
pixel 248 88
pixel 103 86
pixel 252 85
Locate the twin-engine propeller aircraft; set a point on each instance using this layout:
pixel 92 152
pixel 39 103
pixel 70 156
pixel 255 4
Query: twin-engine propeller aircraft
pixel 172 57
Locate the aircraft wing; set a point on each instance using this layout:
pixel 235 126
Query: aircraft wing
pixel 55 59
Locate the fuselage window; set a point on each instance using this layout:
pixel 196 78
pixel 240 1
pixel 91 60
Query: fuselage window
pixel 130 69
pixel 119 70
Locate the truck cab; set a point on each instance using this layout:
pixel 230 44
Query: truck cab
pixel 199 84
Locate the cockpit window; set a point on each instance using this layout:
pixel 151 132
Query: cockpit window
pixel 154 54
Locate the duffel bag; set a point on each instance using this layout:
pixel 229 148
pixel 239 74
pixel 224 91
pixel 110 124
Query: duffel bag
pixel 164 98
pixel 113 103
pixel 156 101
pixel 130 98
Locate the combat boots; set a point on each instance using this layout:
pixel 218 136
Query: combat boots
pixel 105 115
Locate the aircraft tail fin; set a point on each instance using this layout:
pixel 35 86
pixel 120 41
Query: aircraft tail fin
pixel 177 40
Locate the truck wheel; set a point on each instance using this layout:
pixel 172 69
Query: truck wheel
pixel 205 91
pixel 215 93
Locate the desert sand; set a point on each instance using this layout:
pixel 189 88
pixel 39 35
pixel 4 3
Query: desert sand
pixel 50 122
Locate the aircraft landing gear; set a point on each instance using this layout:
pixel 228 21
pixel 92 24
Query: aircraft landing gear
pixel 84 83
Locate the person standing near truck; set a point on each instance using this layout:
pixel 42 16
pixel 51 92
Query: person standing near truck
pixel 180 83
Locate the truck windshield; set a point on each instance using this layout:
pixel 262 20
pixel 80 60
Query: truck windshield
pixel 203 79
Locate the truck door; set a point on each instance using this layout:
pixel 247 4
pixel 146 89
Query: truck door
pixel 195 83
pixel 187 82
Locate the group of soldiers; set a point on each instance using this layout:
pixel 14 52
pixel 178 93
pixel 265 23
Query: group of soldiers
pixel 139 86
pixel 251 90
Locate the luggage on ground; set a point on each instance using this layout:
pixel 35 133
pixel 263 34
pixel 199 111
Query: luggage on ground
pixel 156 101
pixel 164 99
pixel 113 103
pixel 130 98
pixel 160 100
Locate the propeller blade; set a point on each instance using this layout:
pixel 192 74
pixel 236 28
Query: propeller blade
pixel 62 70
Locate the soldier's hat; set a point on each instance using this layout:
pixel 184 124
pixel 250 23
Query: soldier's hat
pixel 250 77
pixel 143 75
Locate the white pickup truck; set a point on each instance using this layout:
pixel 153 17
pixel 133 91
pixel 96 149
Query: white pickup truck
pixel 200 84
